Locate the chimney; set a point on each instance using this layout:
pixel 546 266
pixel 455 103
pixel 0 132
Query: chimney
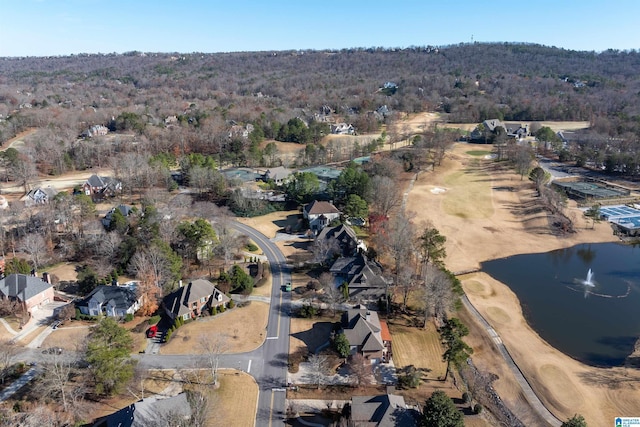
pixel 34 273
pixel 368 316
pixel 180 283
pixel 46 277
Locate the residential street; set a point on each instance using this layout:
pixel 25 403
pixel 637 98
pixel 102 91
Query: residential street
pixel 268 363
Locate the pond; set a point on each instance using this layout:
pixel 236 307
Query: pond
pixel 596 323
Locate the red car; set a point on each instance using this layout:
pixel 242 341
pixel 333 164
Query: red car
pixel 152 331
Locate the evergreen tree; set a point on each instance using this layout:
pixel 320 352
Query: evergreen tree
pixel 440 411
pixel 108 353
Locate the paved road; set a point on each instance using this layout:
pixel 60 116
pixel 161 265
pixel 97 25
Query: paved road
pixel 268 363
pixel 528 392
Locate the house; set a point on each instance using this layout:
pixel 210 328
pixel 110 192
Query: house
pixel 344 236
pixel 40 196
pixel 97 186
pixel 342 129
pixel 125 210
pixel 31 291
pixel 279 175
pixel 189 301
pixel 111 301
pixel 363 277
pixel 96 130
pixel 320 214
pixel 148 412
pixel 363 330
pixel 386 410
pixel 516 130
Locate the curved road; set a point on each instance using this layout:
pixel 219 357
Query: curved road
pixel 528 392
pixel 268 363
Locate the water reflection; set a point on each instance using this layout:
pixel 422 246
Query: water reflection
pixel 591 317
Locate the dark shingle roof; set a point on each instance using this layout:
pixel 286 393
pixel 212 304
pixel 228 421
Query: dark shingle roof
pixel 22 286
pixel 179 301
pixel 387 410
pixel 119 296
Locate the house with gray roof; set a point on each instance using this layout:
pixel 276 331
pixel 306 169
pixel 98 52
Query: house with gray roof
pixel 320 214
pixel 191 300
pixel 345 237
pixel 111 301
pixel 101 186
pixel 363 330
pixel 363 277
pixel 386 410
pixel 40 196
pixel 150 411
pixel 279 175
pixel 31 291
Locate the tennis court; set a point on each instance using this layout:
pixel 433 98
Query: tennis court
pixel 625 216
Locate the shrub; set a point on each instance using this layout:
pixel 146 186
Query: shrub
pixel 222 309
pixel 167 337
pixel 153 320
pixel 308 311
pixel 252 247
pixel 128 317
pixel 231 304
pixel 466 397
pixel 477 408
pixel 214 310
pixel 410 377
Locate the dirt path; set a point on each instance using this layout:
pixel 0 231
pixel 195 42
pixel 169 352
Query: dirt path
pixel 486 213
pixel 9 142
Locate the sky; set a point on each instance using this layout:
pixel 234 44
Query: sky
pixel 63 27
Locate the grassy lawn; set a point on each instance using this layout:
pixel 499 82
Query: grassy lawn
pixel 470 193
pixel 478 152
pixel 69 338
pixel 265 289
pixel 235 401
pixel 418 347
pixel 245 328
pixel 271 223
pixel 310 333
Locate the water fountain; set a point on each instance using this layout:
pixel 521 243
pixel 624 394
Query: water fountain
pixel 589 280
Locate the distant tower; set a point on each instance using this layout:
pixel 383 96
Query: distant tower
pixel 471 38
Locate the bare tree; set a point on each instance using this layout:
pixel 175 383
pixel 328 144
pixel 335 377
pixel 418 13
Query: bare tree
pixel 213 347
pixel 324 249
pixel 406 282
pixel 361 370
pixel 36 247
pixel 438 296
pixel 228 241
pixel 397 240
pixel 318 369
pixel 386 197
pixel 66 312
pixel 332 293
pixel 8 352
pixel 60 381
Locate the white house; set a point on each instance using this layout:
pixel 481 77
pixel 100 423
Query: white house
pixel 320 214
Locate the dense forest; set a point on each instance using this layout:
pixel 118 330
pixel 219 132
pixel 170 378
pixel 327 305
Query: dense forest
pixel 226 104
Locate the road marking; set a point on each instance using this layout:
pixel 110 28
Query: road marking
pixel 272 338
pixel 271 409
pixel 249 367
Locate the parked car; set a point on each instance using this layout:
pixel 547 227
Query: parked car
pixel 55 324
pixel 152 331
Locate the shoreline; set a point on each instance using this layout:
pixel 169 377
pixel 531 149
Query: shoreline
pixel 497 224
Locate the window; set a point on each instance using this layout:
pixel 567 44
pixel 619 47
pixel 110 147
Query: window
pixel 203 299
pixel 185 316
